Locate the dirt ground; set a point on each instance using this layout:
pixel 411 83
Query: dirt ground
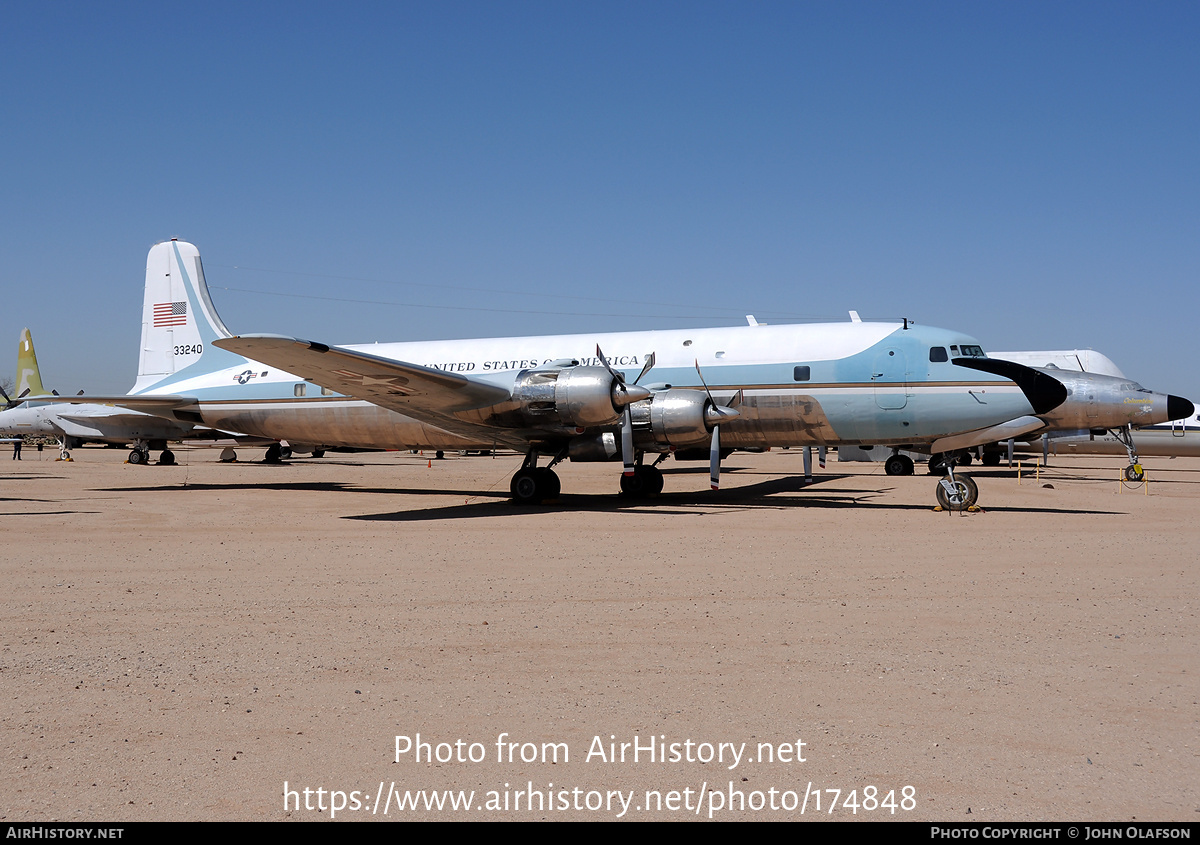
pixel 209 641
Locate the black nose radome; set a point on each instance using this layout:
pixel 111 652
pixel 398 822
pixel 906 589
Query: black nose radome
pixel 1179 408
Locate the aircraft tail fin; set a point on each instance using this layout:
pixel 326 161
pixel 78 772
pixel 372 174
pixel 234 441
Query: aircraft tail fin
pixel 29 378
pixel 179 321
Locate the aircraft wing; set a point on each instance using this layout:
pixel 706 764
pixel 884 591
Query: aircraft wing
pixel 423 393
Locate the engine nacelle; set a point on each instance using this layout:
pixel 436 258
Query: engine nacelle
pixel 678 417
pixel 573 396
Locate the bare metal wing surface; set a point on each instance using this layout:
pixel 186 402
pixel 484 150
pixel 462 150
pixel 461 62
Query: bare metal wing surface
pixel 423 393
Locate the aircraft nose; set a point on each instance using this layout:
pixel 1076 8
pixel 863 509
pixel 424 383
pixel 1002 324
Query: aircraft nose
pixel 1179 408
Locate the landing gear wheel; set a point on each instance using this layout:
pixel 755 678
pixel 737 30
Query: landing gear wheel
pixel 898 465
pixel 137 456
pixel 285 452
pixel 167 458
pixel 961 495
pixel 318 453
pixel 634 485
pixel 274 454
pixel 965 460
pixel 937 464
pixel 654 480
pixel 438 455
pixel 1134 473
pixel 549 481
pixel 990 459
pixel 528 486
pixel 645 481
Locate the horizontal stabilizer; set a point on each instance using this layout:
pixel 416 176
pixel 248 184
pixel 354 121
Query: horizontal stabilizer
pixel 159 405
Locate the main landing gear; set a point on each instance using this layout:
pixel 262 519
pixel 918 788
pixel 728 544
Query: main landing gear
pixel 645 481
pixel 532 485
pixel 898 464
pixel 140 454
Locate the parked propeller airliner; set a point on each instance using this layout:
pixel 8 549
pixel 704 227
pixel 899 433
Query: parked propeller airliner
pixel 562 397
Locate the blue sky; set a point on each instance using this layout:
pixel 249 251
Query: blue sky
pixel 1025 172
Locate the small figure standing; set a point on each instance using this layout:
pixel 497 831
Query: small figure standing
pixel 17 449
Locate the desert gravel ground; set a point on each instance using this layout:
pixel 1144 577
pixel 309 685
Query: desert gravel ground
pixel 180 642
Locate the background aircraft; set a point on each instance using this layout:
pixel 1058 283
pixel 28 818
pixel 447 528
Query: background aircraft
pixel 1177 437
pixel 75 420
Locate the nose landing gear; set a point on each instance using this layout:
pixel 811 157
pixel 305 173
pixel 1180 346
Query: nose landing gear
pixel 957 491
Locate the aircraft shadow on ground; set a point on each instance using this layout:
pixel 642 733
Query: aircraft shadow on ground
pixel 774 493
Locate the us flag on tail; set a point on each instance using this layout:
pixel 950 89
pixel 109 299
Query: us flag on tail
pixel 170 314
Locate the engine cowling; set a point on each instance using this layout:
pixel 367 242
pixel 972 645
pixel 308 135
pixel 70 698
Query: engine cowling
pixel 574 396
pixel 679 417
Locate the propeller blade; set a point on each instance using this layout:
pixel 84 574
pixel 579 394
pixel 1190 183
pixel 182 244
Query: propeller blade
pixel 622 394
pixel 650 365
pixel 607 366
pixel 703 382
pixel 714 459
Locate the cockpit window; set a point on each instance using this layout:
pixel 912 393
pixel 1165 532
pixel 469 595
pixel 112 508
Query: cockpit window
pixel 972 351
pixel 937 354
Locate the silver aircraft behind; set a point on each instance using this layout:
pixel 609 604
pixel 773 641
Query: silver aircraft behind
pixel 82 421
pixel 1177 437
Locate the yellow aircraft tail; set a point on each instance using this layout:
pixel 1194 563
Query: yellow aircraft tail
pixel 29 379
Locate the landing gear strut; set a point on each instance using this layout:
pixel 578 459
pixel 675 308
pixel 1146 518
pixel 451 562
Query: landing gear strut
pixel 1134 471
